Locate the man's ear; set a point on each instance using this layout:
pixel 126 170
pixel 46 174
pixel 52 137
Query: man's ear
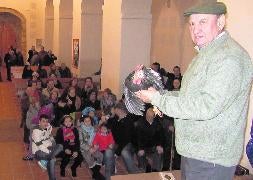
pixel 221 22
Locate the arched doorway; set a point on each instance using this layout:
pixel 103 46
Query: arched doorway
pixel 12 30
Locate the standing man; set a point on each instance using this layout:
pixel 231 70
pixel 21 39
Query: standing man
pixel 211 109
pixel 9 60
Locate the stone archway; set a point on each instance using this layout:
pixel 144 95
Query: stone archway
pixel 21 21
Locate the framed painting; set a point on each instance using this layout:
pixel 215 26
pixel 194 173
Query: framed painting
pixel 75 52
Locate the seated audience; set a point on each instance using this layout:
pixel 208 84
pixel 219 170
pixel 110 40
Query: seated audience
pixel 157 68
pixel 57 83
pixel 42 72
pixel 92 101
pixel 44 147
pixel 53 70
pixel 88 86
pixel 68 103
pixel 176 84
pixel 51 56
pixel 32 91
pixel 91 112
pixel 35 61
pixel 103 141
pixel 86 136
pixel 68 137
pixel 74 83
pixel 27 72
pixel 35 77
pixel 50 87
pixel 171 76
pixel 149 141
pixel 65 71
pixel 108 99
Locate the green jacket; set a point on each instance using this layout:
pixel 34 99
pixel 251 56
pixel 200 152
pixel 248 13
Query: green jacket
pixel 211 108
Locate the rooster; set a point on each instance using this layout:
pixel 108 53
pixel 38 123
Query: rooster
pixel 141 78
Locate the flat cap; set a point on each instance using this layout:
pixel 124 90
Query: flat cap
pixel 207 8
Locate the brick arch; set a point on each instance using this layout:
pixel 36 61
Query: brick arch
pixel 22 18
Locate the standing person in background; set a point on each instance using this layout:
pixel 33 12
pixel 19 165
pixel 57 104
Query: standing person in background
pixel 211 109
pixel 20 58
pixel 9 60
pixel 31 53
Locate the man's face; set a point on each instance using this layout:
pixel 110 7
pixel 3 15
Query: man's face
pixel 43 123
pixel 154 67
pixel 88 83
pixel 176 71
pixel 50 84
pixel 203 28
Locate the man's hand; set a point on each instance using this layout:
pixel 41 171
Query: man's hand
pixel 146 95
pixel 159 149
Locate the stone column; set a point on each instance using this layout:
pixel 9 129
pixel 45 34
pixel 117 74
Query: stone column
pixel 91 37
pixel 126 40
pixel 56 4
pixel 49 24
pixel 65 32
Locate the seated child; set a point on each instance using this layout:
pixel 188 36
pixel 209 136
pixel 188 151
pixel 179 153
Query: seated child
pixel 90 111
pixel 86 136
pixel 68 136
pixel 103 141
pixel 43 146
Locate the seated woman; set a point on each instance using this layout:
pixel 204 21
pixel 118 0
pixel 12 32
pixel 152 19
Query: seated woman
pixel 68 137
pixel 92 101
pixel 27 72
pixel 88 87
pixel 74 83
pixel 69 103
pixel 57 83
pixel 86 135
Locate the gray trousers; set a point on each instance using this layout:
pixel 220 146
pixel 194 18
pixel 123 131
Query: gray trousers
pixel 92 159
pixel 192 169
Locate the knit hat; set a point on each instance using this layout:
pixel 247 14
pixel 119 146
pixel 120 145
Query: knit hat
pixel 87 110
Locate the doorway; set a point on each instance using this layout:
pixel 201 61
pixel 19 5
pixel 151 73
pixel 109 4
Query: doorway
pixel 12 31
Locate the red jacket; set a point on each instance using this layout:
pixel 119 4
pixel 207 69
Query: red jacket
pixel 103 141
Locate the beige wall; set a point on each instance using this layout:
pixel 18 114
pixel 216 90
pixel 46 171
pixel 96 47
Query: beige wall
pixel 33 11
pixel 240 26
pixel 111 37
pixel 171 43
